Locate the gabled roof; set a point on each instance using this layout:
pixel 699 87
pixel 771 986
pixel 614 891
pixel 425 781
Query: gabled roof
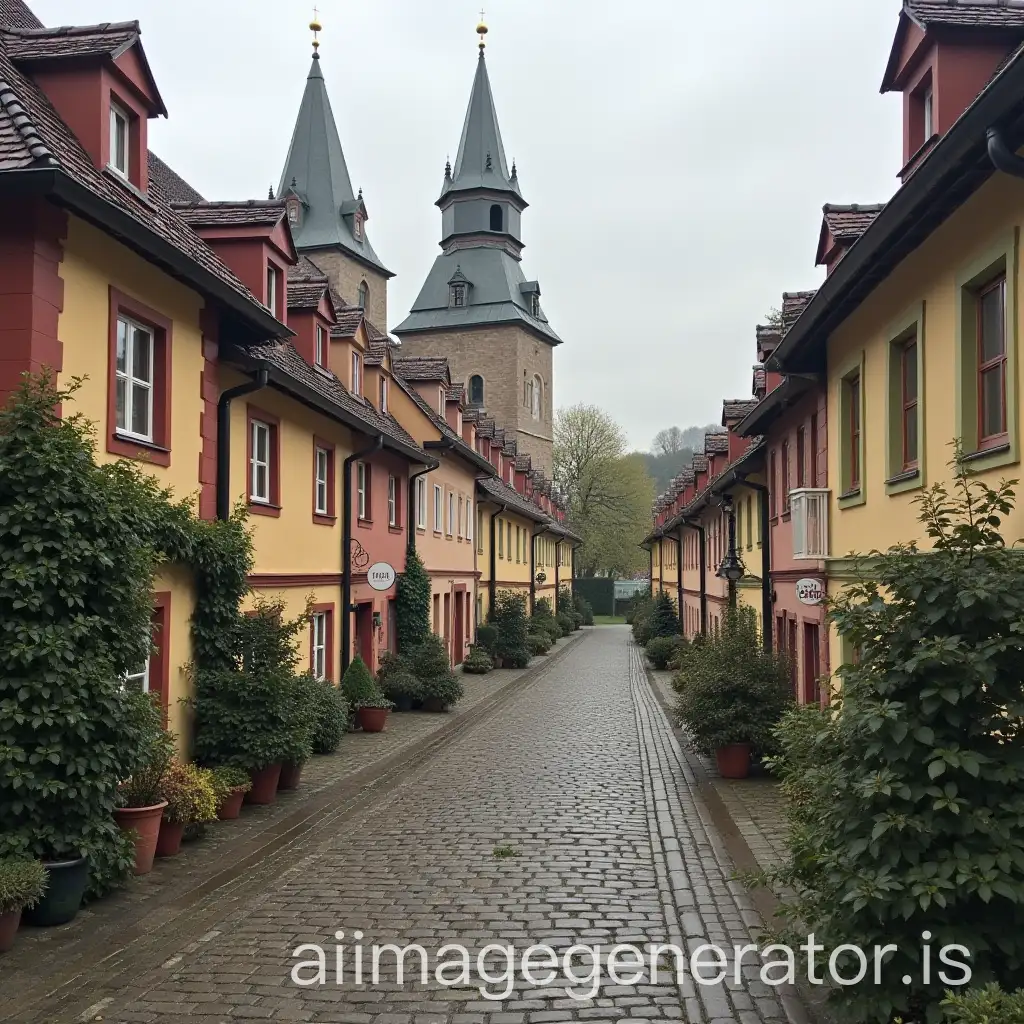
pixel 316 172
pixel 423 368
pixel 845 224
pixel 970 13
pixel 307 294
pixel 502 494
pixel 793 304
pixel 700 464
pixel 736 408
pixel 716 443
pixel 347 320
pixel 16 14
pixel 251 212
pixel 171 187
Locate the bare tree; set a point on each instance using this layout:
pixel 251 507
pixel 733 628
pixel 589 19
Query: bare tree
pixel 668 441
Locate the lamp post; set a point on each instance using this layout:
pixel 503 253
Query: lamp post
pixel 732 569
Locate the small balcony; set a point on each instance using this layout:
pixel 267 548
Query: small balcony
pixel 809 509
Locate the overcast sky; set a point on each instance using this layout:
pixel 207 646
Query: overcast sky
pixel 675 153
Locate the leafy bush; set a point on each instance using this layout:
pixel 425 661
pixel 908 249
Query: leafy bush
pixel 226 780
pixel 443 692
pixel 358 686
pixel 478 663
pixel 542 609
pixel 566 623
pixel 412 603
pixel 329 712
pixel 545 625
pixel 508 616
pixel 988 1005
pixel 538 643
pixel 487 637
pixel 734 691
pixel 396 679
pixel 662 620
pixel 639 612
pixel 22 883
pixel 430 659
pixel 190 792
pixel 661 650
pixel 154 751
pixel 584 608
pixel 910 791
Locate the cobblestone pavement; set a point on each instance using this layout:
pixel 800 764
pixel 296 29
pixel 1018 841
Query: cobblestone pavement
pixel 568 816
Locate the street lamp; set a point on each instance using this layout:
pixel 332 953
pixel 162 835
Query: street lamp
pixel 732 569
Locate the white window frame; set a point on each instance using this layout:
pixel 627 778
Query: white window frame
pixel 392 501
pixel 132 380
pixel 808 508
pixel 511 474
pixel 462 507
pixel 469 519
pixel 272 288
pixel 259 428
pixel 141 676
pixel 119 114
pixel 928 102
pixel 361 478
pixel 318 624
pixel 320 354
pixel 357 374
pixel 438 509
pixel 383 394
pixel 537 390
pixel 421 503
pixel 451 514
pixel 323 477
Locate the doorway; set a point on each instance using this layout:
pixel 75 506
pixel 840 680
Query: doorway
pixel 812 664
pixel 460 627
pixel 364 634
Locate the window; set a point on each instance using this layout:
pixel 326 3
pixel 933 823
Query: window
pixel 451 514
pixel 991 329
pixel 272 288
pixel 928 103
pixel 535 305
pixel 120 137
pixel 480 531
pixel 319 645
pixel 259 462
pixel 501 539
pixel 739 525
pixel 519 544
pixel 814 450
pixel 357 374
pixel 785 476
pixel 323 466
pixel 469 519
pixel 772 494
pixel 320 355
pixel 134 379
pixel 421 503
pixel 497 218
pixel 508 541
pixel 750 523
pixel 293 212
pixel 357 227
pixel 801 455
pixel 438 508
pixel 383 393
pixel 458 295
pixel 476 390
pixel 138 678
pixel 363 490
pixel 364 295
pixel 392 501
pixel 538 391
pixel 461 510
pixel 810 523
pixel 908 418
pixel 527 393
pixel 852 387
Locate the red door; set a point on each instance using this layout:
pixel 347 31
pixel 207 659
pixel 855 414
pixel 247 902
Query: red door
pixel 364 634
pixel 460 627
pixel 812 664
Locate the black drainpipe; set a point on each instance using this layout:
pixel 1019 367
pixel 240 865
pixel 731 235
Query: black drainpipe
pixel 1003 158
pixel 766 564
pixel 492 583
pixel 703 576
pixel 650 568
pixel 533 567
pixel 224 438
pixel 411 511
pixel 346 550
pixel 679 576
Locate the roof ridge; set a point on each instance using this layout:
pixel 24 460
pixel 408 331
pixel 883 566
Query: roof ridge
pixel 24 125
pixel 852 207
pixel 78 30
pixel 255 203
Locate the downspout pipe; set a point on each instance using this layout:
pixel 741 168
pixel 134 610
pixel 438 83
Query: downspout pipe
pixel 492 583
pixel 699 530
pixel 679 577
pixel 767 617
pixel 346 549
pixel 533 569
pixel 1003 158
pixel 411 510
pixel 224 438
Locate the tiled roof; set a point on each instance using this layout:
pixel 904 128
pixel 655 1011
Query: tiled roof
pixel 285 357
pixel 524 463
pixel 510 446
pixel 109 39
pixel 485 427
pixel 422 368
pixel 455 392
pixel 983 13
pixel 505 495
pixel 32 134
pixel 16 14
pixel 687 476
pixel 254 212
pixel 760 379
pixel 376 351
pixel 305 294
pixel 471 414
pixel 171 187
pixel 793 304
pixel 700 464
pixel 737 408
pixel 848 223
pixel 348 320
pixel 306 270
pixel 716 444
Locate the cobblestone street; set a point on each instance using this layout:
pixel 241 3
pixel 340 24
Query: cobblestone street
pixel 566 816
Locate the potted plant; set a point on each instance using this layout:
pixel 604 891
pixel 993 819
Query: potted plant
pixel 330 713
pixel 297 733
pixel 191 800
pixel 508 616
pixel 442 693
pixel 397 682
pixel 230 786
pixel 22 884
pixel 478 662
pixel 441 688
pixel 371 707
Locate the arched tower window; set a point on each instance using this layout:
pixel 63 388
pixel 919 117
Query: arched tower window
pixel 476 390
pixel 364 294
pixel 537 396
pixel 497 218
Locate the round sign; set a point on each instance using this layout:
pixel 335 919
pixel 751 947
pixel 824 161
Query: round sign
pixel 381 576
pixel 810 591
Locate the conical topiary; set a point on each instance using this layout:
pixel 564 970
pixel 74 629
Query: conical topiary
pixel 412 604
pixel 358 686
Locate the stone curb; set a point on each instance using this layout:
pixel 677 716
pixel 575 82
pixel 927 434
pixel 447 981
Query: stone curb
pixel 351 795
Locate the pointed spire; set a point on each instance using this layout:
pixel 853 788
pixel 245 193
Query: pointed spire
pixel 315 27
pixel 270 192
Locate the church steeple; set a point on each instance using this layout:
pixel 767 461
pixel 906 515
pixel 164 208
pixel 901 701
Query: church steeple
pixel 324 210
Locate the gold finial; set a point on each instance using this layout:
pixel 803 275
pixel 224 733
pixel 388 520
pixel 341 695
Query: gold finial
pixel 315 27
pixel 482 31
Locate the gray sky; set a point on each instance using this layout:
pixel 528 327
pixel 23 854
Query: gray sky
pixel 675 154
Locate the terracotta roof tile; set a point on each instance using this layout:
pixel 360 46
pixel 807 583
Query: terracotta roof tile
pixel 793 304
pixel 455 392
pixel 737 408
pixel 524 464
pixel 848 223
pixel 422 368
pixel 376 352
pixel 305 294
pixel 687 476
pixel 505 495
pixel 716 444
pixel 348 320
pixel 485 428
pixel 109 39
pixel 306 270
pixel 760 380
pixel 16 14
pixel 258 212
pixel 170 187
pixel 980 13
pixel 700 464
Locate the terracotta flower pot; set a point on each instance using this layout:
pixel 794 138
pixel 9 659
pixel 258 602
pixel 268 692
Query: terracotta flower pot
pixel 373 719
pixel 733 761
pixel 145 822
pixel 169 841
pixel 66 881
pixel 290 775
pixel 9 928
pixel 264 784
pixel 231 805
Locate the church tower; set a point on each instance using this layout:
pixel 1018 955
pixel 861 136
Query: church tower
pixel 328 219
pixel 477 309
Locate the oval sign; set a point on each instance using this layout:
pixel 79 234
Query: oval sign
pixel 810 591
pixel 381 576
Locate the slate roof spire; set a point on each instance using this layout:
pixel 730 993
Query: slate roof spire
pixel 315 172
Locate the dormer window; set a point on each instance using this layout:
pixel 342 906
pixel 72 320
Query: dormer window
pixel 272 288
pixel 383 394
pixel 458 295
pixel 120 135
pixel 293 212
pixel 320 354
pixel 535 305
pixel 357 374
pixel 364 294
pixel 928 102
pixel 357 227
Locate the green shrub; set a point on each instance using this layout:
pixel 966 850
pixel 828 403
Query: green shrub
pixel 584 608
pixel 190 793
pixel 988 1005
pixel 662 620
pixel 154 751
pixel 412 603
pixel 566 623
pixel 442 692
pixel 487 637
pixel 330 713
pixel 638 615
pixel 661 650
pixel 22 883
pixel 910 809
pixel 358 686
pixel 227 780
pixel 538 644
pixel 430 659
pixel 734 691
pixel 508 616
pixel 517 659
pixel 396 679
pixel 542 609
pixel 478 663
